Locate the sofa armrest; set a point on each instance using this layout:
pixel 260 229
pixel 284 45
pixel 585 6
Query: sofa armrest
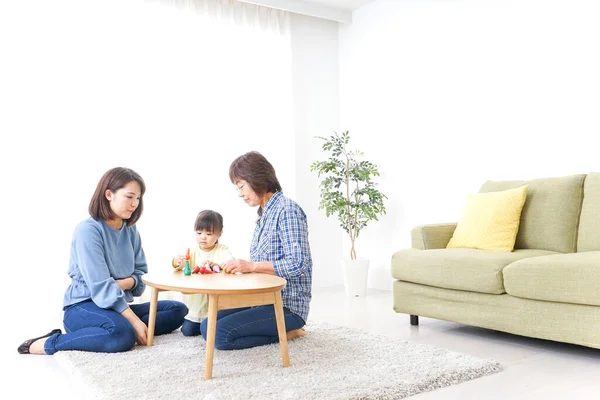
pixel 435 236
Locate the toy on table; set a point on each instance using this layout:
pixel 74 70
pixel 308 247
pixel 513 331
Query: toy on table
pixel 187 271
pixel 208 267
pixel 211 266
pixel 201 270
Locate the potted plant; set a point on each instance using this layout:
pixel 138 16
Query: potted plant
pixel 348 192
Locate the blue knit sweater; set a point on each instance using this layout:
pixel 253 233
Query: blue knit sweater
pixel 99 255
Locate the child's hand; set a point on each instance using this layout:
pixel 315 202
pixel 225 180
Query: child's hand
pixel 211 265
pixel 178 260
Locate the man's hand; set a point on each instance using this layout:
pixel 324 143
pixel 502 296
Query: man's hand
pixel 239 266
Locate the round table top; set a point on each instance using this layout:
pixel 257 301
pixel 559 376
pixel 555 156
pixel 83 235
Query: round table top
pixel 220 283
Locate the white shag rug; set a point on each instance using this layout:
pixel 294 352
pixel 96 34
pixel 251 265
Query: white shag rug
pixel 330 362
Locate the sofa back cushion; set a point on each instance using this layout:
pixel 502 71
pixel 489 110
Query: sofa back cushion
pixel 550 216
pixel 588 238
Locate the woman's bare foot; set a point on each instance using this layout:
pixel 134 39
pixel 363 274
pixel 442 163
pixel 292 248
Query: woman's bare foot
pixel 37 347
pixel 296 333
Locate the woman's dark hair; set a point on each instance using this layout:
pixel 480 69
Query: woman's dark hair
pixel 209 220
pixel 254 168
pixel 113 180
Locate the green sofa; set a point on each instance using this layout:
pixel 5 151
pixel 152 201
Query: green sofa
pixel 548 287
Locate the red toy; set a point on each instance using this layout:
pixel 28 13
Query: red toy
pixel 205 270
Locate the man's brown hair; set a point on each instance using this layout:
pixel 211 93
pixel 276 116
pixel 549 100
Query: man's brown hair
pixel 255 169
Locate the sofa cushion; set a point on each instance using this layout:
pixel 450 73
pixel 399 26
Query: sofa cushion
pixel 463 269
pixel 490 221
pixel 588 238
pixel 550 215
pixel 432 236
pixel 564 278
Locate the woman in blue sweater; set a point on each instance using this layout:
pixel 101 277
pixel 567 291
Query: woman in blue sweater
pixel 106 266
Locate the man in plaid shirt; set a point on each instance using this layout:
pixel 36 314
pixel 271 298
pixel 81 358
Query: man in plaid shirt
pixel 280 247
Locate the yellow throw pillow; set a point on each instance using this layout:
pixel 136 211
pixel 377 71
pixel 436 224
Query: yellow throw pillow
pixel 490 221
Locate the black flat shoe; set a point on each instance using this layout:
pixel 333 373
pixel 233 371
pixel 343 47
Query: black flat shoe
pixel 24 347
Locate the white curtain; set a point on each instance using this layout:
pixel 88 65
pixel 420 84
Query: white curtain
pixel 236 12
pixel 173 89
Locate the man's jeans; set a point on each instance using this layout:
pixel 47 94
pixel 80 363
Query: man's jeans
pixel 241 328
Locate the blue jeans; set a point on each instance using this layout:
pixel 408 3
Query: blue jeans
pixel 91 328
pixel 241 328
pixel 190 328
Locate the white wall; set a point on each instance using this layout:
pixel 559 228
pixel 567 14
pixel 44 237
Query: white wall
pixel 316 113
pixel 77 99
pixel 151 92
pixel 469 90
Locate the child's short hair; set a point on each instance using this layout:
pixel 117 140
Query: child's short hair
pixel 209 220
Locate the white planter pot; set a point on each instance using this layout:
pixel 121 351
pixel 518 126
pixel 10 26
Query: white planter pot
pixel 356 276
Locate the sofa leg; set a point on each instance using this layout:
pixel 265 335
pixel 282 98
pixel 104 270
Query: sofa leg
pixel 414 319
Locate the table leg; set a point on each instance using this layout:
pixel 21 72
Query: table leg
pixel 211 329
pixel 152 316
pixel 283 344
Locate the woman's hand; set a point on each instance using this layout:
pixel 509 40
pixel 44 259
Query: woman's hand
pixel 241 266
pixel 141 332
pixel 140 328
pixel 126 284
pixel 178 260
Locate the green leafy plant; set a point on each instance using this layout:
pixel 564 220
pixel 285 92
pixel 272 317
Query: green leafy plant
pixel 347 187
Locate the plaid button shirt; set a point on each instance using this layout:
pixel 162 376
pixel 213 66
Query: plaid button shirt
pixel 281 237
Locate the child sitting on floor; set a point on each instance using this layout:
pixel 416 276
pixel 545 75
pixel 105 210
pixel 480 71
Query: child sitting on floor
pixel 208 253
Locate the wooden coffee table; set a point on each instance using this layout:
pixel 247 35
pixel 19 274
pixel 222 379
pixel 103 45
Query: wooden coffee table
pixel 224 291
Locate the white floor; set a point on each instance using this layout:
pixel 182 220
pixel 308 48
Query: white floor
pixel 533 369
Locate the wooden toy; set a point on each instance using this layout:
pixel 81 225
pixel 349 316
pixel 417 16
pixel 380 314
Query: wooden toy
pixel 205 270
pixel 187 271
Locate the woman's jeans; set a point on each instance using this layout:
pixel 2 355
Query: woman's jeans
pixel 241 328
pixel 91 328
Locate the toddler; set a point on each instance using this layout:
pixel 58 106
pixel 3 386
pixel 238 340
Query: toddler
pixel 208 253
